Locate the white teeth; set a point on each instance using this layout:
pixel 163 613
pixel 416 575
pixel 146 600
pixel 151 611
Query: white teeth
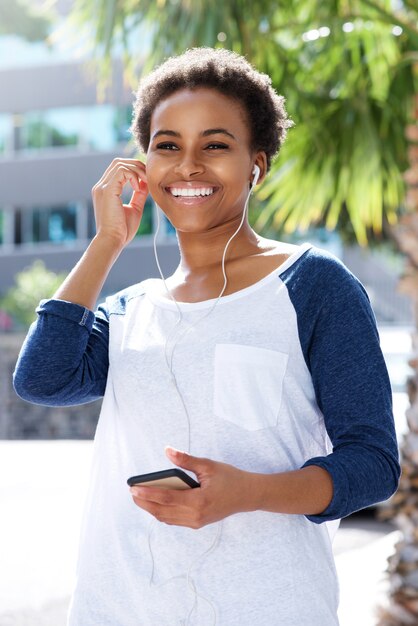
pixel 204 191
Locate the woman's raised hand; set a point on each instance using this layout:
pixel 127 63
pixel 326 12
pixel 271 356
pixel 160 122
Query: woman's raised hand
pixel 116 221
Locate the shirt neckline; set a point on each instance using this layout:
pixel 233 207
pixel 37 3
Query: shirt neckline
pixel 157 293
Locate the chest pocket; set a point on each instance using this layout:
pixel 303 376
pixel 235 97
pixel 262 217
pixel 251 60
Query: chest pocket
pixel 248 385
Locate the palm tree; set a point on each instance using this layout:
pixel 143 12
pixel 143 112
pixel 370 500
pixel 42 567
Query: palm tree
pixel 347 70
pixel 403 507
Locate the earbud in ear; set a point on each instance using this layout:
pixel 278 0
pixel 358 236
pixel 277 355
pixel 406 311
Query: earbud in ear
pixel 256 173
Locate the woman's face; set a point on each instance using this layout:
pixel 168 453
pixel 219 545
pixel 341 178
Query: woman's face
pixel 199 161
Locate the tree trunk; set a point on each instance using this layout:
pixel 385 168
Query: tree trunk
pixel 402 609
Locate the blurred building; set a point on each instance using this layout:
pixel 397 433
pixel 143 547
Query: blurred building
pixel 56 140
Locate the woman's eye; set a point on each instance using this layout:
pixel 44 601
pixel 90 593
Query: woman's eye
pixel 167 146
pixel 217 146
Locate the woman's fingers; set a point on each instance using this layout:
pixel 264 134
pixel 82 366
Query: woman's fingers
pixel 137 199
pixel 168 497
pixel 118 174
pixel 171 506
pixel 134 164
pixel 117 179
pixel 113 218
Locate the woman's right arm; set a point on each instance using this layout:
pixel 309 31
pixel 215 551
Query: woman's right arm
pixel 116 226
pixel 64 358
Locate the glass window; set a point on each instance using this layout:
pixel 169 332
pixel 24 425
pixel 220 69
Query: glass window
pixel 49 224
pixel 146 225
pixel 15 51
pixel 97 130
pixel 49 129
pixel 6 129
pixel 65 125
pixel 98 127
pixel 105 126
pixel 122 119
pixel 18 226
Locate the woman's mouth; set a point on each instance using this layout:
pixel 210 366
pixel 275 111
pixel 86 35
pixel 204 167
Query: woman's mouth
pixel 191 195
pixel 204 191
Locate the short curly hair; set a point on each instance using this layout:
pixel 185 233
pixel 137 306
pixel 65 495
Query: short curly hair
pixel 229 73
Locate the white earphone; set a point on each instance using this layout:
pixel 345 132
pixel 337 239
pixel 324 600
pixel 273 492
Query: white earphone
pixel 256 172
pixel 168 355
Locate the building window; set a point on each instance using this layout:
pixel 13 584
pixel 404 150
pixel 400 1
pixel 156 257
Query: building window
pixel 99 127
pixel 146 226
pixel 49 129
pixel 47 224
pixel 6 132
pixel 105 126
pixel 122 119
pixel 67 223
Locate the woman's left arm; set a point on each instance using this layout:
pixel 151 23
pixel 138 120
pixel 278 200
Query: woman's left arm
pixel 226 490
pixel 341 348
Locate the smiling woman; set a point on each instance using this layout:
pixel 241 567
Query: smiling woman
pixel 259 359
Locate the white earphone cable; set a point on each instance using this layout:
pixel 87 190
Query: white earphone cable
pixel 169 363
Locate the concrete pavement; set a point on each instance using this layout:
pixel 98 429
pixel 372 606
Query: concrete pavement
pixel 42 489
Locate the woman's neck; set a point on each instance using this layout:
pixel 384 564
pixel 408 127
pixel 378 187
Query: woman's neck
pixel 202 252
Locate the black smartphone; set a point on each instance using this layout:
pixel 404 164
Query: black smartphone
pixel 167 479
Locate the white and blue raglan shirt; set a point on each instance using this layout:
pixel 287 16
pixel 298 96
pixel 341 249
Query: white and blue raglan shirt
pixel 280 375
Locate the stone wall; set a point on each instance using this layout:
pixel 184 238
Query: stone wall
pixel 22 420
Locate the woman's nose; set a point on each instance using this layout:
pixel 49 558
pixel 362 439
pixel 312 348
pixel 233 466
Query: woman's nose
pixel 189 167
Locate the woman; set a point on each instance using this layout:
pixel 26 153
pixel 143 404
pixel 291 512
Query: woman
pixel 271 380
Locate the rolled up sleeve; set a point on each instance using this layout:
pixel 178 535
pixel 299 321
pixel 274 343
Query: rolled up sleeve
pixel 64 358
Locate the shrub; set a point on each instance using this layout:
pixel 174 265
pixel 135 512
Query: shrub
pixel 32 285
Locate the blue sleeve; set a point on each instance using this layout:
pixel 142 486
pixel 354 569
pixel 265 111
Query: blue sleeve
pixel 64 359
pixel 340 343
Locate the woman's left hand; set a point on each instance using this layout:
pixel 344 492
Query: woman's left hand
pixel 224 490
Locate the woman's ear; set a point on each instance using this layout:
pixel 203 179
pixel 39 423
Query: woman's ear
pixel 260 165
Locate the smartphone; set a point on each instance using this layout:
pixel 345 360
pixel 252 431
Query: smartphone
pixel 166 479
